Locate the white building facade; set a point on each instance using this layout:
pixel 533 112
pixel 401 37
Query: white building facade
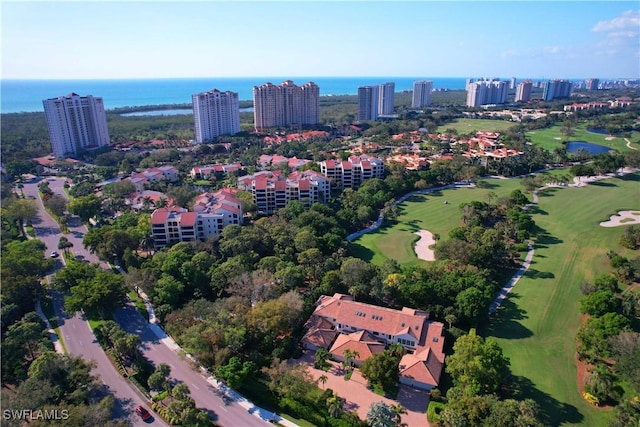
pixel 486 91
pixel 285 105
pixel 523 92
pixel 76 123
pixel 212 212
pixel 421 94
pixel 215 113
pixel 368 103
pixel 375 101
pixel 387 98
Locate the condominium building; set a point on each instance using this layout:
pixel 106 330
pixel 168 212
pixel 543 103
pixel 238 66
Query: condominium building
pixel 592 84
pixel 557 89
pixel 285 105
pixel 512 83
pixel 272 191
pixel 421 94
pixel 486 91
pixel 353 172
pixel 386 98
pixel 523 92
pixel 76 123
pixel 374 101
pixel 368 102
pixel 215 113
pixel 211 213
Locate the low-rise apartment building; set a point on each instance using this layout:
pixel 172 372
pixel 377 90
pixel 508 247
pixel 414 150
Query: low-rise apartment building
pixel 353 172
pixel 272 191
pixel 211 213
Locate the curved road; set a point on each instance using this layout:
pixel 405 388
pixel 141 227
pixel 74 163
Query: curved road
pixel 79 339
pixel 77 335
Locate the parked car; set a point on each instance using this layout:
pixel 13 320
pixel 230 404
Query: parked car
pixel 144 414
pixel 54 254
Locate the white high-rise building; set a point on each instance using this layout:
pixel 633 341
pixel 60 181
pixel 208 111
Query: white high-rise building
pixel 215 113
pixel 285 105
pixel 374 101
pixel 421 94
pixel 523 92
pixel 76 123
pixel 557 89
pixel 368 102
pixel 483 92
pixel 386 98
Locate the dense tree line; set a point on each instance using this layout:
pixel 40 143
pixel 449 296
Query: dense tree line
pixel 609 339
pixel 480 374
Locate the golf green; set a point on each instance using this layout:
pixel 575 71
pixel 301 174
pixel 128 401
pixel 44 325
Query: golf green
pixel 537 324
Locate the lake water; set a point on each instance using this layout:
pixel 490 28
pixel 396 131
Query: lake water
pixel 173 112
pixel 594 149
pixel 159 112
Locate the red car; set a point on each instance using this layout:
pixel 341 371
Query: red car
pixel 144 414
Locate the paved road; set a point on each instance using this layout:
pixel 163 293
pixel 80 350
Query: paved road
pixel 226 412
pixel 76 333
pixel 80 340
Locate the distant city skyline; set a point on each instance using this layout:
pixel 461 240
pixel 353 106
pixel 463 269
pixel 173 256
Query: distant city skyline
pixel 162 39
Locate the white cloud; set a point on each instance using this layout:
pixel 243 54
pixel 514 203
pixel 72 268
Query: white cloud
pixel 625 25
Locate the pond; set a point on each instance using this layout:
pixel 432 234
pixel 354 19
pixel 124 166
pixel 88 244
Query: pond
pixel 601 131
pixel 594 149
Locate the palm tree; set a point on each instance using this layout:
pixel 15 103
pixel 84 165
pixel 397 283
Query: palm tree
pixel 355 354
pixel 398 410
pixel 334 405
pixel 64 244
pixel 348 357
pixel 147 243
pixel 450 319
pixel 323 379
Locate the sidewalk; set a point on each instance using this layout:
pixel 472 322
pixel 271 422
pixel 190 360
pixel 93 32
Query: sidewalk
pixel 512 283
pixel 221 389
pixel 57 345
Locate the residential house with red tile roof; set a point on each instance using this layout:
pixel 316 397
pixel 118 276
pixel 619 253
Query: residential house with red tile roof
pixel 339 323
pixel 206 172
pixel 140 179
pixel 148 199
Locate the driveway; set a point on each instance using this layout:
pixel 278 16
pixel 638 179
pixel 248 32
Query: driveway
pixel 359 398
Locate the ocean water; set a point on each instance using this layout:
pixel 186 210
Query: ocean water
pixel 27 95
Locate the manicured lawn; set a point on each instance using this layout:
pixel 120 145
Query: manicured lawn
pixel 537 325
pixel 424 212
pixel 465 126
pixel 552 138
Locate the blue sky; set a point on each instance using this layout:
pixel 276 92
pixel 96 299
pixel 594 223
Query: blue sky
pixel 156 39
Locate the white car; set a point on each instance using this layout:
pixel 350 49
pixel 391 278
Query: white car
pixel 54 254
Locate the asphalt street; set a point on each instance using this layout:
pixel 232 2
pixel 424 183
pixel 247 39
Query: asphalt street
pixel 76 333
pixel 80 341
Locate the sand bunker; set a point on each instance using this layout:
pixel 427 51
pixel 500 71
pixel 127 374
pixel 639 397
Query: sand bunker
pixel 622 218
pixel 422 246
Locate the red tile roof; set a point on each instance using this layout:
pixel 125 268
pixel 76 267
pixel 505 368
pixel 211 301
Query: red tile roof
pixel 370 317
pixel 188 219
pixel 159 216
